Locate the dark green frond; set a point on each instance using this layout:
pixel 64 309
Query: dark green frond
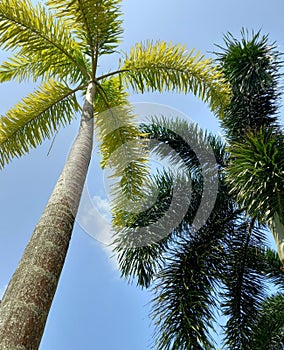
pixel 244 284
pixel 36 34
pixel 251 65
pixel 272 267
pixel 37 117
pixel 96 22
pixel 190 145
pixel 162 67
pixel 151 228
pixel 185 293
pixel 141 244
pixel 268 332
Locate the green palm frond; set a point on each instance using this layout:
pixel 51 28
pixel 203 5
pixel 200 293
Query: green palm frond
pixel 271 267
pixel 141 244
pixel 37 35
pixel 37 117
pixel 255 173
pixel 244 284
pixel 160 66
pixel 122 144
pixel 23 68
pixel 190 145
pixel 268 333
pixel 251 65
pixel 185 293
pixel 183 143
pixel 95 22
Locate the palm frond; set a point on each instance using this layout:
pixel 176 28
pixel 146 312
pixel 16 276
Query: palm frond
pixel 21 67
pixel 268 332
pixel 255 173
pixel 185 292
pixel 159 67
pixel 95 22
pixel 37 35
pixel 122 145
pixel 37 117
pixel 244 284
pixel 148 232
pixel 251 65
pixel 272 267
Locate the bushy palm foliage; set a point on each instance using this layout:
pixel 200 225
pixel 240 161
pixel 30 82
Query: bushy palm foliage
pixel 226 264
pixel 255 173
pixel 223 266
pixel 251 65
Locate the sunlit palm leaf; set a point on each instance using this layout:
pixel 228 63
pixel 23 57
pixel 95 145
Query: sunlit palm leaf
pixel 37 117
pixel 95 22
pixel 160 66
pixel 38 35
pixel 122 144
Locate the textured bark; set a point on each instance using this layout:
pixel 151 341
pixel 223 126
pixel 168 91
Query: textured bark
pixel 27 301
pixel 277 228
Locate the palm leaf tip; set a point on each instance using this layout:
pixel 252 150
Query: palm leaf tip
pixel 96 23
pixel 252 67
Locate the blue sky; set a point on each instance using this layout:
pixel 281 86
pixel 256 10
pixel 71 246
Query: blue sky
pixel 94 308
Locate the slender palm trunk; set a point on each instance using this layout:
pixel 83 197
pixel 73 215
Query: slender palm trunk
pixel 26 303
pixel 277 228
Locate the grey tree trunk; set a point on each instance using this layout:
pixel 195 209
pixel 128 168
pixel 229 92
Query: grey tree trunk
pixel 277 228
pixel 27 301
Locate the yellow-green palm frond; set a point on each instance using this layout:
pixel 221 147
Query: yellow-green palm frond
pixel 161 66
pixel 37 35
pixel 35 118
pixel 20 67
pixel 122 144
pixel 95 22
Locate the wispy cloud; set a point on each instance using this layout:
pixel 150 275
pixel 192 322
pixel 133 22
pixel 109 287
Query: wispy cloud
pixel 94 216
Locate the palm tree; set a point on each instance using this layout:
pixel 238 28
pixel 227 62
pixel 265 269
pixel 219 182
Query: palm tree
pixel 224 268
pixel 255 138
pixel 60 44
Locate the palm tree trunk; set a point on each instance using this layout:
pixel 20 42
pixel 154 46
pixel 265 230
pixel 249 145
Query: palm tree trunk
pixel 277 228
pixel 26 303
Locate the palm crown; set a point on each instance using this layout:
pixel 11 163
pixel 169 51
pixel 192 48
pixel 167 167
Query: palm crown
pixel 62 47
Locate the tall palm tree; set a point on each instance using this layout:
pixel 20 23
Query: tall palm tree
pixel 224 268
pixel 60 44
pixel 255 174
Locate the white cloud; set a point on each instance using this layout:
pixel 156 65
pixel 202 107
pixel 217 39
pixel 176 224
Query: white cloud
pixel 94 217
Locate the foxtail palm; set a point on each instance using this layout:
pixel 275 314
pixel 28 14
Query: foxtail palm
pixel 256 143
pixel 60 44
